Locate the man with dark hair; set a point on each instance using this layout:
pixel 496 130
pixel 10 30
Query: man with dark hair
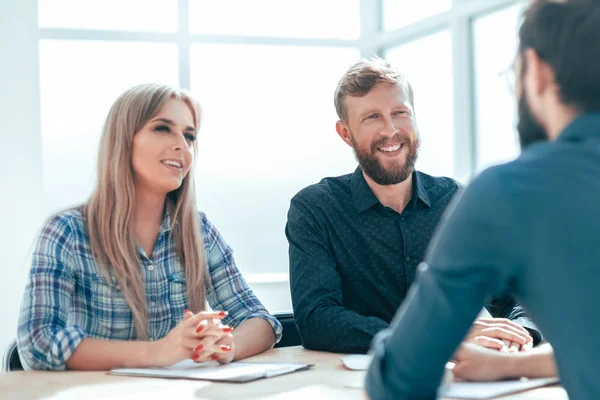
pixel 528 226
pixel 356 240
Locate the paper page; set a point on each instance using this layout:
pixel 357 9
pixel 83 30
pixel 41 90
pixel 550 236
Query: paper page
pixel 479 390
pixel 487 390
pixel 214 371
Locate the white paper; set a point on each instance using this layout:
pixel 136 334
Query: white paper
pixel 214 371
pixel 487 390
pixel 479 390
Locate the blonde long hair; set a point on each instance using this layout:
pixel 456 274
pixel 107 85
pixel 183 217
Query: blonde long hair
pixel 109 212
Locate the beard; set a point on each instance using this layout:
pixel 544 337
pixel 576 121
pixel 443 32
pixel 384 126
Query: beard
pixel 398 172
pixel 530 130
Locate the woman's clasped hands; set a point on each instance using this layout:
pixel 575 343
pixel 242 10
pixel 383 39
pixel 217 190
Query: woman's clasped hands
pixel 200 337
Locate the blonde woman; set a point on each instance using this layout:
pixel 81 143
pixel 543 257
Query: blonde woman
pixel 122 281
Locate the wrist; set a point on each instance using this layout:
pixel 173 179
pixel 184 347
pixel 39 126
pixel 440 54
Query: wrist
pixel 231 356
pixel 148 356
pixel 511 365
pixel 233 353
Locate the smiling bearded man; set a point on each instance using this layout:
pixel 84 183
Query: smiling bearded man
pixel 355 241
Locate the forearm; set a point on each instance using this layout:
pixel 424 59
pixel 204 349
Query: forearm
pixel 537 363
pixel 251 337
pixel 104 355
pixel 339 330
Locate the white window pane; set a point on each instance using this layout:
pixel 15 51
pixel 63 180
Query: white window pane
pixel 268 130
pixel 427 64
pixel 399 13
pixel 79 81
pixel 125 15
pixel 495 41
pixel 333 19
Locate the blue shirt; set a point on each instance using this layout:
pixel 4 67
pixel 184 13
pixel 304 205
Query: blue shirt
pixel 529 227
pixel 67 298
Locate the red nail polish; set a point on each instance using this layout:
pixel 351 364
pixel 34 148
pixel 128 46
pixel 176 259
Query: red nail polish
pixel 186 311
pixel 222 314
pixel 199 329
pixel 225 348
pixel 198 348
pixel 195 357
pixel 227 330
pixel 214 357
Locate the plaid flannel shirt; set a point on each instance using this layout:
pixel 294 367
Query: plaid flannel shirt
pixel 67 298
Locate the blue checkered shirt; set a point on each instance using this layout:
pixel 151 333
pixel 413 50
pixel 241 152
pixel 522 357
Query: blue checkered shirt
pixel 67 298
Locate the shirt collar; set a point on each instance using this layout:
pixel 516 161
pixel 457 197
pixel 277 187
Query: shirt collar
pixel 420 189
pixel 165 225
pixel 364 198
pixel 362 195
pixel 582 127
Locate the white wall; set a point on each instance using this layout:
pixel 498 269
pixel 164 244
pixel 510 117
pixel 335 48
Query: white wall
pixel 21 191
pixel 275 295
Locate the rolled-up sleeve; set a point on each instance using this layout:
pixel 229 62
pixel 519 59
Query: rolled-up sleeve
pixel 228 290
pixel 44 339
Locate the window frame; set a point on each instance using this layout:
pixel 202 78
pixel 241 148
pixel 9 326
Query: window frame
pixel 373 40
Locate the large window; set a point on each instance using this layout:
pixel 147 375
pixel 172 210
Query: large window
pixel 333 19
pixel 264 72
pixel 427 64
pixel 268 127
pixel 117 15
pixel 268 131
pixel 399 13
pixel 79 80
pixel 495 41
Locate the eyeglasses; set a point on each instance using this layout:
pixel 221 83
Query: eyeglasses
pixel 509 77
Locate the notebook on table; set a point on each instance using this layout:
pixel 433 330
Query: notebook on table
pixel 479 390
pixel 237 372
pixel 489 390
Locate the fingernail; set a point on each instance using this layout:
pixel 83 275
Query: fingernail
pixel 186 311
pixel 222 314
pixel 227 330
pixel 225 348
pixel 214 357
pixel 195 357
pixel 199 329
pixel 198 348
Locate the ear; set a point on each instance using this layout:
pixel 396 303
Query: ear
pixel 539 76
pixel 344 132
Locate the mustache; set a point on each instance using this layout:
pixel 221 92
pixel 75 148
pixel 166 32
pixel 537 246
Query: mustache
pixel 396 139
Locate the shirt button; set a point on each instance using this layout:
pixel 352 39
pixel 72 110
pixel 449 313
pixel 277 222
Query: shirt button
pixel 407 258
pixel 150 267
pixel 30 355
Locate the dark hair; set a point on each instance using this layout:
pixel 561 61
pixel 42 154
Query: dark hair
pixel 566 35
pixel 360 79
